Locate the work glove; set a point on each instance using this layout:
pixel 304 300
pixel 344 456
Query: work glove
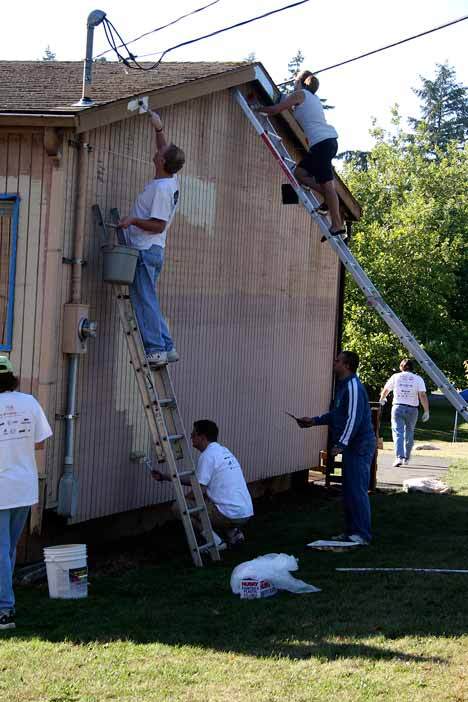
pixel 425 417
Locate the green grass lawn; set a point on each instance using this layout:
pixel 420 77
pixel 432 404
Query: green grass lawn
pixel 155 628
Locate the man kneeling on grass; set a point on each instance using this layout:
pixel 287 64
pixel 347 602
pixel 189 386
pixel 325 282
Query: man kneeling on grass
pixel 227 497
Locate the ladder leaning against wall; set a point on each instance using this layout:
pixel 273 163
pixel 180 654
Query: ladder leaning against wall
pixel 274 142
pixel 165 424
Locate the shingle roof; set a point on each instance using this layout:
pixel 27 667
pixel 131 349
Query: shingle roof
pixel 53 86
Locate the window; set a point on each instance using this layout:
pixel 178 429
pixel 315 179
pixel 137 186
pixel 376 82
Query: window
pixel 9 211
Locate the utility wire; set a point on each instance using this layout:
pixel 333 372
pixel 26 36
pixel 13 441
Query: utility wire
pixel 158 29
pixel 383 48
pixel 205 36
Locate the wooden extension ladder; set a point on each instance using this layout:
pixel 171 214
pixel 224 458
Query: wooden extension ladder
pixel 165 423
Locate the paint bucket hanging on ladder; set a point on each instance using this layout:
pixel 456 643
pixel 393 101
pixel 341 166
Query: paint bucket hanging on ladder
pixel 119 264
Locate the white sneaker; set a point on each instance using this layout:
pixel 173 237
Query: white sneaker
pixel 397 462
pixel 220 544
pixel 157 359
pixel 406 461
pixel 356 539
pixel 172 356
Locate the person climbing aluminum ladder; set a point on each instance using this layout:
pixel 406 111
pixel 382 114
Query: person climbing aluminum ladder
pixel 274 142
pixel 315 169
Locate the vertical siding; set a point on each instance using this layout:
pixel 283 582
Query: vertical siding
pixel 249 292
pixel 21 173
pixel 26 170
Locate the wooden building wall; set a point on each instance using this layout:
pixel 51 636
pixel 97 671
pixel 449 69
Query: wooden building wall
pixel 45 187
pixel 250 294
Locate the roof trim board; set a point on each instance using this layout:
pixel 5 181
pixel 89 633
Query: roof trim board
pixel 101 115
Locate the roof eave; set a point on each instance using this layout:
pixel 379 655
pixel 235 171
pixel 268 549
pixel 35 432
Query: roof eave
pixel 36 119
pixel 115 111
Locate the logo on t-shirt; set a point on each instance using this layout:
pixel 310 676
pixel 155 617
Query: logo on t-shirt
pixel 176 197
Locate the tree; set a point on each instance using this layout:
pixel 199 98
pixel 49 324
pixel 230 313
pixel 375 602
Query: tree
pixel 359 159
pixel 412 243
pixel 294 68
pixel 444 109
pixel 48 54
pixel 251 58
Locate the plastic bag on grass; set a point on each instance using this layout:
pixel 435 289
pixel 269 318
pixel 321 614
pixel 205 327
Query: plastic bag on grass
pixel 426 485
pixel 275 569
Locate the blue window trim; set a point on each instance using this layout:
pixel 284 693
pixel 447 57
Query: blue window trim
pixel 12 271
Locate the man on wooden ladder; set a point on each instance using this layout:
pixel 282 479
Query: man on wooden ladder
pixel 145 229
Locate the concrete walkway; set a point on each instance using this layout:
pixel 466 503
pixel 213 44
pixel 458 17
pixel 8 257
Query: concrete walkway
pixel 419 467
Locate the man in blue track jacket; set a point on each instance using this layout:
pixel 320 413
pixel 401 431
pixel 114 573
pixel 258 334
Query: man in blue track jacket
pixel 353 436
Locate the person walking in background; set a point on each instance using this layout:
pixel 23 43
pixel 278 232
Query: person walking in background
pixel 23 428
pixel 145 229
pixel 408 391
pixel 315 170
pixel 353 436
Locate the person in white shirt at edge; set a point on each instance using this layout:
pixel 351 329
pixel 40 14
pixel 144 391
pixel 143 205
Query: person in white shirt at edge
pixel 146 229
pixel 227 496
pixel 23 428
pixel 315 170
pixel 408 391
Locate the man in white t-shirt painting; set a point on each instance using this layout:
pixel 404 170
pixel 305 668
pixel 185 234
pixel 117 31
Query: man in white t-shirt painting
pixel 226 493
pixel 408 391
pixel 146 230
pixel 23 428
pixel 315 169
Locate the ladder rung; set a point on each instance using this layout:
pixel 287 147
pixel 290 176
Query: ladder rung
pixel 195 510
pixel 185 473
pixel 168 402
pixel 174 437
pixel 274 135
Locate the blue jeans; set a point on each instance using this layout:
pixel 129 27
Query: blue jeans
pixel 356 476
pixel 404 420
pixel 12 523
pixel 153 327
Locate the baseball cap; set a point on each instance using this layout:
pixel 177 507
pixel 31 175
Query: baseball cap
pixel 6 365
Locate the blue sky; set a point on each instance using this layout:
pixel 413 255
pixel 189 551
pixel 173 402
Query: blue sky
pixel 325 31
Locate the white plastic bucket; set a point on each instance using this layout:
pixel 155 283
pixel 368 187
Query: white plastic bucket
pixel 67 571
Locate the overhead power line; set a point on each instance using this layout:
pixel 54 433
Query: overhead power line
pixel 131 57
pixel 383 48
pixel 158 29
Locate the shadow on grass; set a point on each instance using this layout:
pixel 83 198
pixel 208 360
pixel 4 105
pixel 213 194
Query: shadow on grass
pixel 148 591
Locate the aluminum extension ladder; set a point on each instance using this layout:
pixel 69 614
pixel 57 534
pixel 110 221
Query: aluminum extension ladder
pixel 162 413
pixel 264 127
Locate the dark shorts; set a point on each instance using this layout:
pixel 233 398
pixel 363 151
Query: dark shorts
pixel 318 161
